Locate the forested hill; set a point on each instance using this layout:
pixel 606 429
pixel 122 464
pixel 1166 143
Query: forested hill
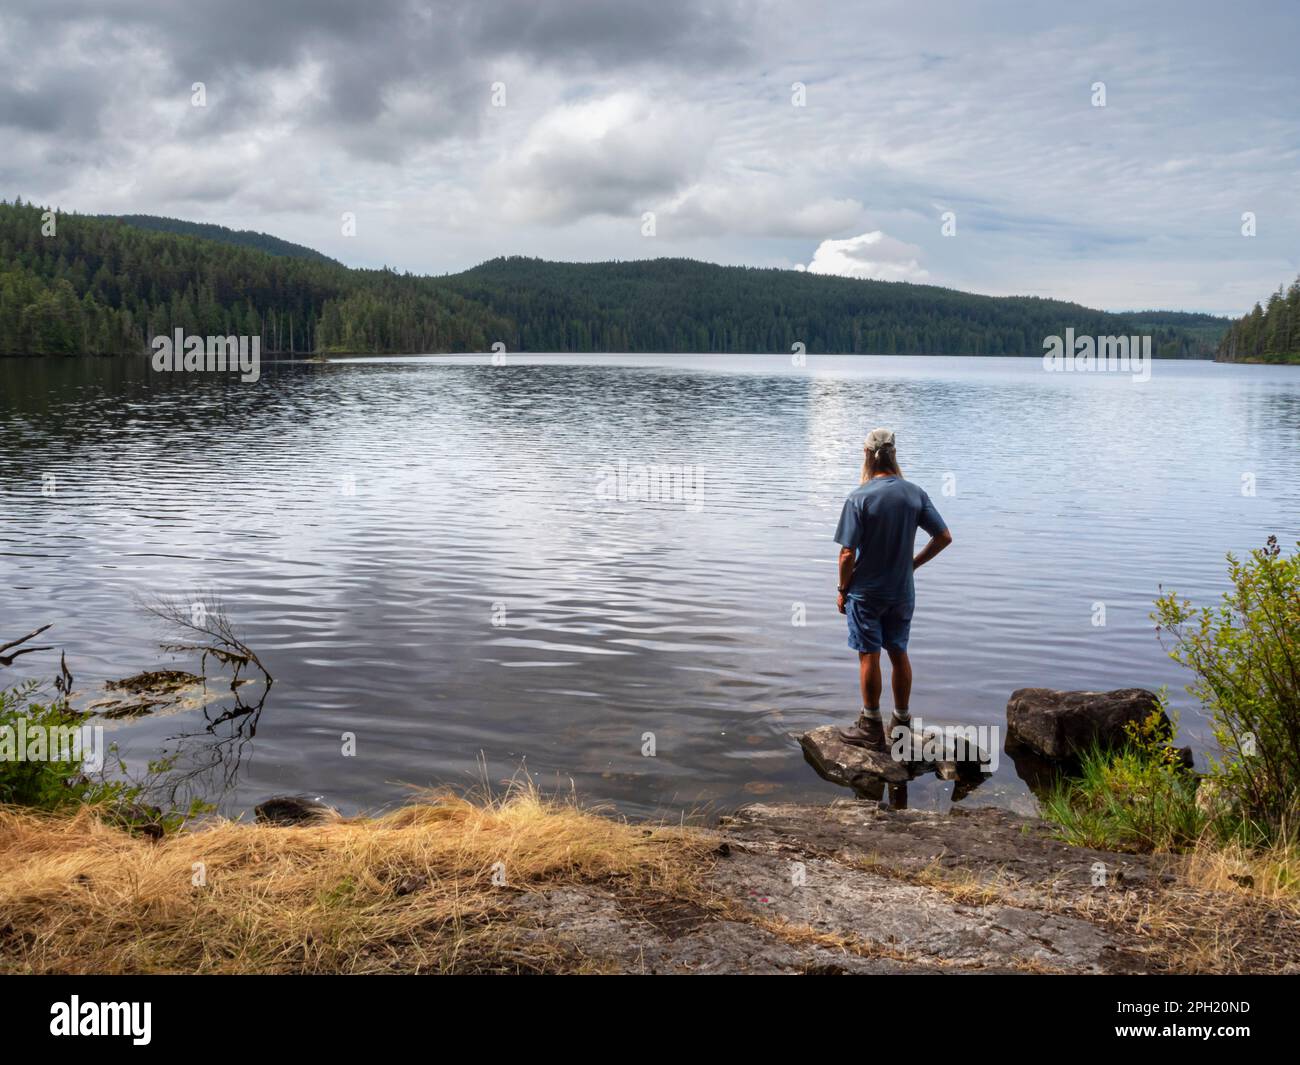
pixel 1206 329
pixel 106 286
pixel 684 305
pixel 101 286
pixel 1266 334
pixel 246 238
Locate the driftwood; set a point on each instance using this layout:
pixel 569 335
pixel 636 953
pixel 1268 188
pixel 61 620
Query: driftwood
pixel 63 682
pixel 8 660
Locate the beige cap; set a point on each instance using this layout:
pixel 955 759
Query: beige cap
pixel 879 440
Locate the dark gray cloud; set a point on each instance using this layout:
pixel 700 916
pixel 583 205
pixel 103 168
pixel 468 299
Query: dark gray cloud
pixel 678 33
pixel 358 60
pixel 55 104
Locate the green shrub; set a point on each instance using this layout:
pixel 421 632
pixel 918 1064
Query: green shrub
pixel 1245 654
pixel 44 784
pixel 1136 798
pixel 54 785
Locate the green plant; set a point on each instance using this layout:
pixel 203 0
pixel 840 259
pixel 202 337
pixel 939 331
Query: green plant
pixel 45 783
pixel 1138 797
pixel 1245 654
pixel 60 784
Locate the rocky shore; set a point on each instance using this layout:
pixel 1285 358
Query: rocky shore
pixel 864 886
pixel 856 888
pixel 446 885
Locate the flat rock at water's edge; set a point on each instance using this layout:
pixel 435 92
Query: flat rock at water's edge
pixel 867 890
pixel 852 767
pixel 865 771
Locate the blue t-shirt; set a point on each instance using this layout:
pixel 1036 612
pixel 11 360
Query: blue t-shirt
pixel 879 522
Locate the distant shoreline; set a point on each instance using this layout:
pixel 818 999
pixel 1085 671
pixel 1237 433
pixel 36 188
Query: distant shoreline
pixel 319 357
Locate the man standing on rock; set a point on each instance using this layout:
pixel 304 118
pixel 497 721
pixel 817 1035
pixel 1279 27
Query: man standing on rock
pixel 877 535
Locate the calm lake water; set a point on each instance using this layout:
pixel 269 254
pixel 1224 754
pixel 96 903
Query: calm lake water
pixel 423 552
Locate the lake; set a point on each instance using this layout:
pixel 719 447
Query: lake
pixel 454 561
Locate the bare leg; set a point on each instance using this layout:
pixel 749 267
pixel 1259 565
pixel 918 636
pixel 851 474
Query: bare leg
pixel 869 677
pixel 869 732
pixel 900 679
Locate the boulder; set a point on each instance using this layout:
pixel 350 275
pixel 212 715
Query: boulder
pixel 287 810
pixel 868 772
pixel 1058 726
pixel 851 767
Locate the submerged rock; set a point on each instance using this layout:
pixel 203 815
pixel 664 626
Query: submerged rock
pixel 155 682
pixel 115 711
pixel 158 691
pixel 286 810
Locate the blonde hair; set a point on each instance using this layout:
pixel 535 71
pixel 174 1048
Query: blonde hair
pixel 882 460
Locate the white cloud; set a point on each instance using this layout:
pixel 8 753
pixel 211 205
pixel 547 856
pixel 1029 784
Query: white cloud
pixel 615 155
pixel 871 255
pixel 769 209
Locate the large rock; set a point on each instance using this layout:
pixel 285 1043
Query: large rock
pixel 1059 726
pixel 285 811
pixel 852 767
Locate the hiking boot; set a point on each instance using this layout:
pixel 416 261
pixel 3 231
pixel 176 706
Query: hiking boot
pixel 867 732
pixel 892 738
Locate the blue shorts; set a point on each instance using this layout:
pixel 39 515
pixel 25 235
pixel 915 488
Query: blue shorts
pixel 872 625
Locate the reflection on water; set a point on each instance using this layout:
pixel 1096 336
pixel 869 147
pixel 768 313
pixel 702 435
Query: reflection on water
pixel 203 761
pixel 417 549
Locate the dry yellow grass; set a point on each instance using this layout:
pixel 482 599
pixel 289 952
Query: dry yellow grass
pixel 1232 910
pixel 1272 874
pixel 415 890
pixel 1227 910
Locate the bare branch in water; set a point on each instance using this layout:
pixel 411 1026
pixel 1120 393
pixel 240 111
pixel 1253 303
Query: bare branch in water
pixel 8 660
pixel 206 617
pixel 63 682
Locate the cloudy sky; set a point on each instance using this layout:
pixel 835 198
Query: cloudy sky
pixel 830 136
